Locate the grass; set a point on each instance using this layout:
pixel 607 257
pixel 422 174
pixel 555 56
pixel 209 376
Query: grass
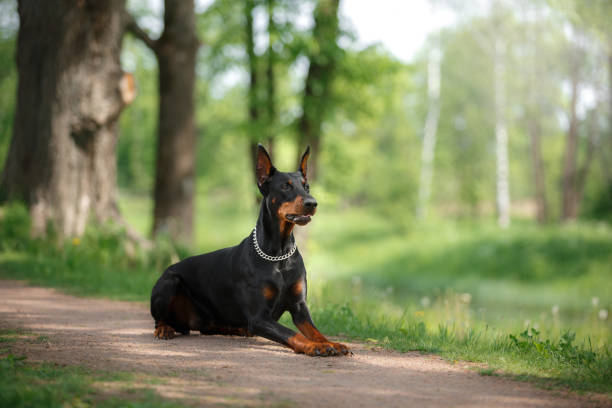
pixel 98 264
pixel 29 384
pixel 530 301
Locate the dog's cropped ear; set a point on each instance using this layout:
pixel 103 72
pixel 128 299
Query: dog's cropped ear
pixel 264 168
pixel 304 162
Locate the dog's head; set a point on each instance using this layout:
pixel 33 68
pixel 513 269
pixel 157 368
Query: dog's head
pixel 285 194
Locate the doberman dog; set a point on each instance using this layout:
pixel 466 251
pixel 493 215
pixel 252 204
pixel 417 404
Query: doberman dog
pixel 244 290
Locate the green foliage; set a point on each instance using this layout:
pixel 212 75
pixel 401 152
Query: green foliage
pixel 26 384
pixel 375 113
pixel 375 163
pixel 562 351
pixel 82 264
pixel 44 386
pixel 599 207
pixel 8 77
pixel 583 364
pixel 136 145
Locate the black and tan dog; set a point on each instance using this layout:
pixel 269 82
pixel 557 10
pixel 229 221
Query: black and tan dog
pixel 244 290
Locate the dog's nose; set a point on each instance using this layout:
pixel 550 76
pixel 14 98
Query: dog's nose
pixel 310 203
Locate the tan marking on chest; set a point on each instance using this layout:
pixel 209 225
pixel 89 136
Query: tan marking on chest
pixel 298 287
pixel 269 292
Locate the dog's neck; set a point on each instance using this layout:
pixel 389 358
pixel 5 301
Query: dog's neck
pixel 269 236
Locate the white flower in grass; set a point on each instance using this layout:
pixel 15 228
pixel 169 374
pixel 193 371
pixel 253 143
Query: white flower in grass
pixel 555 310
pixel 425 301
pixel 603 314
pixel 595 301
pixel 465 298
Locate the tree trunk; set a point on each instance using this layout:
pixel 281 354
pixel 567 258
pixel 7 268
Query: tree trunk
pixel 609 172
pixel 539 184
pixel 569 208
pixel 175 167
pixel 429 134
pixel 534 129
pixel 71 90
pixel 176 52
pixel 254 126
pixel 323 60
pixel 583 173
pixel 501 134
pixel 271 79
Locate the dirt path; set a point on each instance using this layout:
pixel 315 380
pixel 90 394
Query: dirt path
pixel 215 370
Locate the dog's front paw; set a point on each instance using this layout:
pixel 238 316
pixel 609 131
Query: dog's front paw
pixel 326 349
pixel 342 349
pixel 320 350
pixel 164 332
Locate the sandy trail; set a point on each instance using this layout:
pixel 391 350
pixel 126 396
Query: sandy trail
pixel 236 371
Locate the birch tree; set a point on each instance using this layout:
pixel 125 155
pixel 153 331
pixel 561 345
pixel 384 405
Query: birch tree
pixel 431 127
pixel 501 132
pixel 492 40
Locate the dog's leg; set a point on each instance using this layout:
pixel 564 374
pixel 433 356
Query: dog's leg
pixel 303 321
pixel 163 291
pixel 171 309
pixel 274 331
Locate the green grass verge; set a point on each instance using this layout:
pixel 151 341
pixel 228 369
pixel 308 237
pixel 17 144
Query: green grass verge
pixel 28 384
pixel 524 354
pixel 530 302
pixel 101 263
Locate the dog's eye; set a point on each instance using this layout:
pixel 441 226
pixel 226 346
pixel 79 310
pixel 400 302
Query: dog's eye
pixel 287 186
pixel 307 187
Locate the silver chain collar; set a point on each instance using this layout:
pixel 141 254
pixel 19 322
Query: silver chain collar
pixel 268 257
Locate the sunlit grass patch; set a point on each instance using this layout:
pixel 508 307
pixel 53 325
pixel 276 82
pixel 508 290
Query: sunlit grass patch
pixel 559 361
pixel 30 384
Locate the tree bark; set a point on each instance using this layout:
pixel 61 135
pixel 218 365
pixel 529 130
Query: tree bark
pixel 176 51
pixel 317 89
pixel 569 204
pixel 71 90
pixel 583 173
pixel 535 131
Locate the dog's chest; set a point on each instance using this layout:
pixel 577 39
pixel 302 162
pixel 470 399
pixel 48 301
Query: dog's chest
pixel 286 273
pixel 286 284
